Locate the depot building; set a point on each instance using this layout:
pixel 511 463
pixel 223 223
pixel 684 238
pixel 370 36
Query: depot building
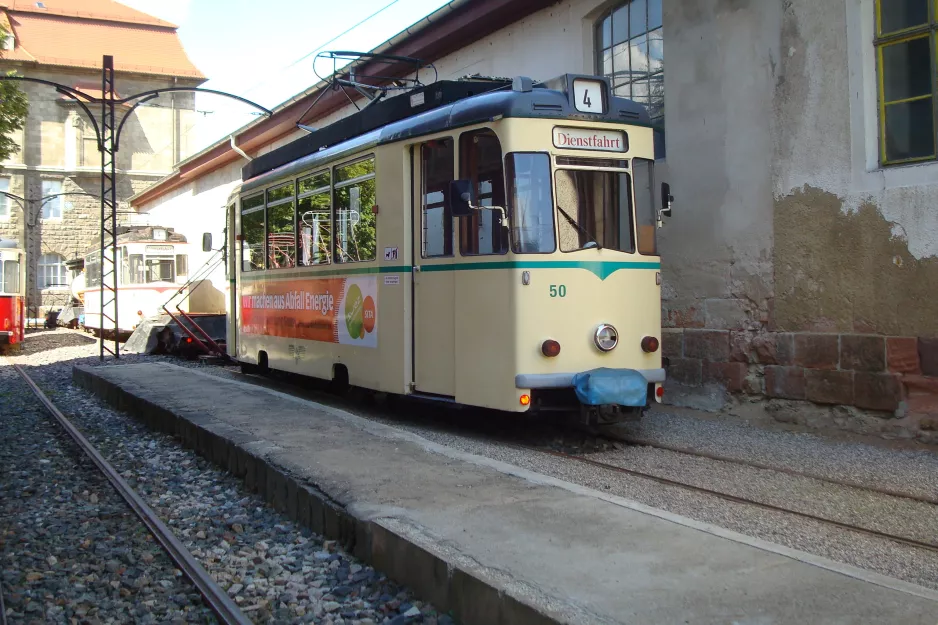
pixel 800 266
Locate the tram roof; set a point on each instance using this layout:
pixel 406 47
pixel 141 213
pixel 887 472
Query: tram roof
pixel 447 104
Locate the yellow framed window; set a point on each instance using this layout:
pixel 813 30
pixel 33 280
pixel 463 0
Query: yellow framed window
pixel 905 55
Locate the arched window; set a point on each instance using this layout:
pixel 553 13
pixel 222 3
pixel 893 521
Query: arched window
pixel 630 52
pixel 52 272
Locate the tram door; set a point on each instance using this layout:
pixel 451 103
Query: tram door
pixel 234 258
pixel 434 286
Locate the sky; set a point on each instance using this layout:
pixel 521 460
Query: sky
pixel 253 48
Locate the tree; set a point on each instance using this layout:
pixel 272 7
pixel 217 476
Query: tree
pixel 13 110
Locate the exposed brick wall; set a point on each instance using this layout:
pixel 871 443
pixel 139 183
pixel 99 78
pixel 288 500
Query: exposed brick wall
pixel 894 376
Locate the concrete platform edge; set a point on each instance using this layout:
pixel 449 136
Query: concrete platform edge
pixel 450 587
pixel 386 431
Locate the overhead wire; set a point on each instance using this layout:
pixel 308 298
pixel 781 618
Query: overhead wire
pixel 289 66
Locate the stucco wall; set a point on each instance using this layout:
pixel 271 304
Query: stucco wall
pixel 856 243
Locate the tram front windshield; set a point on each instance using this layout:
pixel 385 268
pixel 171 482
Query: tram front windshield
pixel 593 209
pixel 592 200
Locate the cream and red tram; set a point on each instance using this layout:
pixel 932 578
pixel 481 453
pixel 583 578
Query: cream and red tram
pixel 495 246
pixel 152 264
pixel 12 294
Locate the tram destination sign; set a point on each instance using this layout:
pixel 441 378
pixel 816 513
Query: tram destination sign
pixel 590 139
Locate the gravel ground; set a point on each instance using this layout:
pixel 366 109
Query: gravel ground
pixel 70 547
pixel 275 570
pixel 907 471
pixel 803 452
pixel 902 470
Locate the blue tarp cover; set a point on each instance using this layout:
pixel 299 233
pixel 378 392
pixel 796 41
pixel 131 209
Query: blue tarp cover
pixel 620 387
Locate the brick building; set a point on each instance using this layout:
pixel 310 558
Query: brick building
pixel 801 264
pixel 64 41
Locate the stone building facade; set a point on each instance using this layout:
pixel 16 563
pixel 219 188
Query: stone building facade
pixel 800 267
pixel 64 41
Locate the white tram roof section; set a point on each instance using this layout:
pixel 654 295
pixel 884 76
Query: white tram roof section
pixel 8 244
pixel 520 98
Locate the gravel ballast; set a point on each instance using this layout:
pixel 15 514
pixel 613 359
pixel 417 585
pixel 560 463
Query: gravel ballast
pixel 275 570
pixel 915 472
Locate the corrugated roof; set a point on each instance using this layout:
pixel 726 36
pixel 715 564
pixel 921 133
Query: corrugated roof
pixel 83 37
pixel 85 9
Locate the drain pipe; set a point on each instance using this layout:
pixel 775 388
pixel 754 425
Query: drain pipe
pixel 231 140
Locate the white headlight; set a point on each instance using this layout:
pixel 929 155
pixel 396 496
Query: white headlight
pixel 606 337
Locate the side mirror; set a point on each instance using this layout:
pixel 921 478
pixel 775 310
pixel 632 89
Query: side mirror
pixel 667 200
pixel 206 241
pixel 460 194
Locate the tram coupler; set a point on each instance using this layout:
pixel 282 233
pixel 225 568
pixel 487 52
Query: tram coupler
pixel 607 415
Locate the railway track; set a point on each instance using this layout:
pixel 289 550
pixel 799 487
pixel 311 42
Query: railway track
pixel 933 547
pixel 768 467
pixel 215 598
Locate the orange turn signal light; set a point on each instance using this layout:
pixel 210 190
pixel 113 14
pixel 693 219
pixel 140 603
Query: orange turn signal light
pixel 650 344
pixel 550 348
pixel 525 400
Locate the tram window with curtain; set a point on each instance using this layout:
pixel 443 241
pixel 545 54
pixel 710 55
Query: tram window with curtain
pixel 252 233
pixel 480 162
pixel 437 160
pixel 356 233
pixel 281 240
pixel 594 210
pixel 314 220
pixel 530 205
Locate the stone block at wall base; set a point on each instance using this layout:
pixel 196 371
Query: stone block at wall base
pixel 877 391
pixel 784 382
pixel 902 355
pixel 712 345
pixel 817 351
pixel 862 353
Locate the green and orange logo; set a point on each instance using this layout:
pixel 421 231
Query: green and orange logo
pixel 359 313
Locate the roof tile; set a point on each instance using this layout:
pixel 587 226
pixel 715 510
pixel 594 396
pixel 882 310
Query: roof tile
pixel 71 42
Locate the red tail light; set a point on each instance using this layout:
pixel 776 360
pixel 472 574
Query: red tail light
pixel 650 344
pixel 550 348
pixel 188 339
pixel 659 391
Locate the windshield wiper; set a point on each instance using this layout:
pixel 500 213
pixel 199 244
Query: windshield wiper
pixel 588 234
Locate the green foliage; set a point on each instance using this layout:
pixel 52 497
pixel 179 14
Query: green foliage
pixel 13 109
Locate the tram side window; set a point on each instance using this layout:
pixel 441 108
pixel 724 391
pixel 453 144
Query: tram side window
pixel 11 276
pixel 314 220
pixel 136 269
pixel 160 270
pixel 437 172
pixel 93 270
pixel 281 240
pixel 480 162
pixel 356 232
pixel 530 206
pixel 643 171
pixel 252 233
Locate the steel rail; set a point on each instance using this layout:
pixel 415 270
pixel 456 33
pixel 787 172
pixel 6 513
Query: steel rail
pixel 218 601
pixel 767 467
pixel 3 609
pixel 742 500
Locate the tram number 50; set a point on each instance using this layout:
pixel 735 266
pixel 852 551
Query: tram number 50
pixel 558 290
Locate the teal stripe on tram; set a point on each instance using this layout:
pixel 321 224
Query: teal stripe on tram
pixel 601 269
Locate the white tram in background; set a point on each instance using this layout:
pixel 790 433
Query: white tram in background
pixel 12 294
pixel 153 263
pixel 490 243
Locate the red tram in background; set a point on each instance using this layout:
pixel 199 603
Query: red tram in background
pixel 12 294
